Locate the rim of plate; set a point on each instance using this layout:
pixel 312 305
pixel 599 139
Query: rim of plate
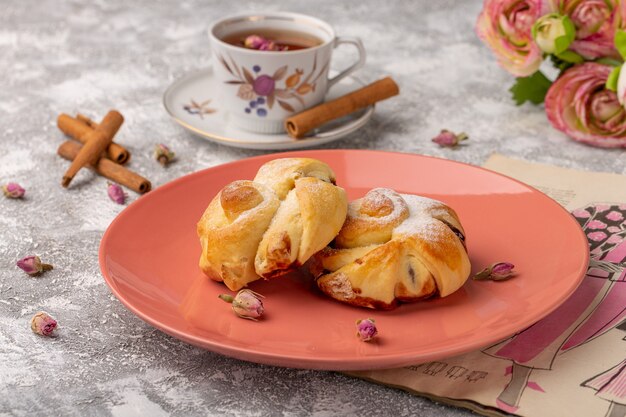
pixel 389 360
pixel 340 131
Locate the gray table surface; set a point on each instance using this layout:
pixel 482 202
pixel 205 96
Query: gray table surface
pixel 68 56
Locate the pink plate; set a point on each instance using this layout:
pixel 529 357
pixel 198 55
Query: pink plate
pixel 149 258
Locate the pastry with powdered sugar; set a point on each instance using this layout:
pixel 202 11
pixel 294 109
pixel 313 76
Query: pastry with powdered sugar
pixel 394 248
pixel 271 225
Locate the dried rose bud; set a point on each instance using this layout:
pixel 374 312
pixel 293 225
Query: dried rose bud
pixel 246 304
pixel 496 272
pixel 254 42
pixel 163 154
pixel 116 193
pixel 13 190
pixel 449 139
pixel 268 46
pixel 262 44
pixel 366 329
pixel 32 265
pixel 42 323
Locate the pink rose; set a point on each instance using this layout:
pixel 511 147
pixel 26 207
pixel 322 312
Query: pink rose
pixel 42 323
pixel 615 216
pixel 581 214
pixel 116 193
pixel 13 190
pixel 448 139
pixel 247 304
pixel 596 236
pixel 499 271
pixel 505 26
pixel 254 42
pixel 596 224
pixel 33 266
pixel 595 22
pixel 366 329
pixel 579 105
pixel 613 229
pixel 614 239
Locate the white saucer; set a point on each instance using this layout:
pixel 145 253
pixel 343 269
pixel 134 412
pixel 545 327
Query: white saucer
pixel 191 101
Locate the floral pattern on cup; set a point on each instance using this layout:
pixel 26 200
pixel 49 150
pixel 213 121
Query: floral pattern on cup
pixel 199 109
pixel 262 90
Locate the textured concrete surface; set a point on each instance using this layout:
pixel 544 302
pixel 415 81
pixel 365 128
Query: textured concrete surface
pixel 68 56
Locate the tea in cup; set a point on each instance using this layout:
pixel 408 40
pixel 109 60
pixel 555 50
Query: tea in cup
pixel 270 66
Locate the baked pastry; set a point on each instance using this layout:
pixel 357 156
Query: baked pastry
pixel 393 248
pixel 271 225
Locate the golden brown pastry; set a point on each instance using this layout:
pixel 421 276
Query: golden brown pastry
pixel 394 248
pixel 271 225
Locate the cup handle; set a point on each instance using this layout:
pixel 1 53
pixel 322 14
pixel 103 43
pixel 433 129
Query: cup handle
pixel 358 64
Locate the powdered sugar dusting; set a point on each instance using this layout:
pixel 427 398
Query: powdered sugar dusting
pixel 281 174
pixel 377 197
pixel 269 198
pixel 276 164
pixel 421 221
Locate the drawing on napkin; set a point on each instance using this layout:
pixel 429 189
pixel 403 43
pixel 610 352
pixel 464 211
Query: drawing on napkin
pixel 610 385
pixel 594 308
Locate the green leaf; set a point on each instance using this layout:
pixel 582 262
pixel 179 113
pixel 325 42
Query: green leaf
pixel 620 42
pixel 570 29
pixel 570 56
pixel 483 275
pixel 611 82
pixel 609 61
pixel 561 44
pixel 560 64
pixel 533 88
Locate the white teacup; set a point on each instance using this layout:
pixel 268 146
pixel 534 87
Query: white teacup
pixel 260 89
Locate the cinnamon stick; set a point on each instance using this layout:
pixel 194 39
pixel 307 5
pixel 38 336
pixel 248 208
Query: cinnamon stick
pixel 69 150
pixel 97 141
pixel 85 119
pixel 78 128
pixel 300 124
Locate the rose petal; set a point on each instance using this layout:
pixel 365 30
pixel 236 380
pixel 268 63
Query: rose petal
pixel 596 236
pixel 596 224
pixel 615 216
pixel 581 214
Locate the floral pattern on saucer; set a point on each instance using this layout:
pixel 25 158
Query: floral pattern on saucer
pixel 200 109
pixel 261 90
